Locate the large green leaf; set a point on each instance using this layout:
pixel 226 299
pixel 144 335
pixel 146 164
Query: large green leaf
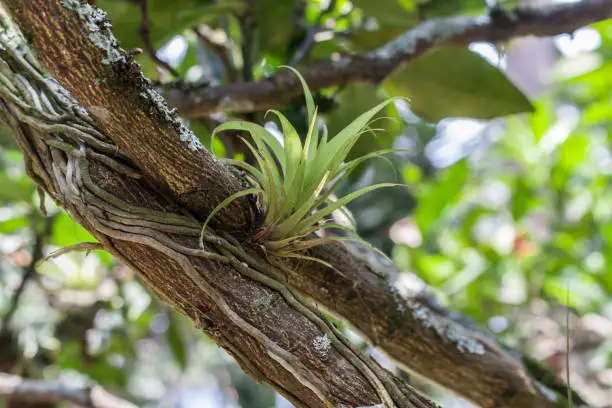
pixel 455 82
pixel 276 21
pixel 13 224
pixel 66 232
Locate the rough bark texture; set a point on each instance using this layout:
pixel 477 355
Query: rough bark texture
pixel 90 161
pixel 273 333
pixel 126 109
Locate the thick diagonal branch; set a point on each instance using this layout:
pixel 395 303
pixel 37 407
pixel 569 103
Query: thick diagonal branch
pixel 74 43
pixel 283 87
pixel 273 332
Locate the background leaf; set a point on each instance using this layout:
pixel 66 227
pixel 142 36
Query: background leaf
pixel 175 341
pixel 456 82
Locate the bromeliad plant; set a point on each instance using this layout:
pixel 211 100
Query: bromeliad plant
pixel 295 181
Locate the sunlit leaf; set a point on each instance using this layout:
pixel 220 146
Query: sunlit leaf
pixel 15 188
pixel 13 224
pixel 66 232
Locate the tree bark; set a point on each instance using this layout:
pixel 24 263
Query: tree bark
pixel 122 166
pixel 273 333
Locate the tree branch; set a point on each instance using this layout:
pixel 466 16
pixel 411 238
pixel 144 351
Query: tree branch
pixel 249 310
pixel 283 87
pixel 15 388
pixel 275 334
pixel 81 246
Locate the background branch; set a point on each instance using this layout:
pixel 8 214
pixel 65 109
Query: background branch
pixel 283 87
pixel 221 49
pixel 312 31
pixel 17 388
pixel 144 34
pixel 28 273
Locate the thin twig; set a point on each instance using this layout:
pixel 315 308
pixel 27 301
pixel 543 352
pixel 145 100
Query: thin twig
pixel 28 274
pixel 81 246
pixel 247 31
pixel 18 388
pixel 144 34
pixel 220 50
pixel 313 30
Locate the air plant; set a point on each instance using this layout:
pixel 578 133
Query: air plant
pixel 295 181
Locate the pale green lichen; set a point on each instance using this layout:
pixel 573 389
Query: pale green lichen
pixel 185 134
pixel 99 28
pixel 446 329
pixel 9 37
pixel 264 303
pixel 430 32
pixel 322 345
pixel 101 36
